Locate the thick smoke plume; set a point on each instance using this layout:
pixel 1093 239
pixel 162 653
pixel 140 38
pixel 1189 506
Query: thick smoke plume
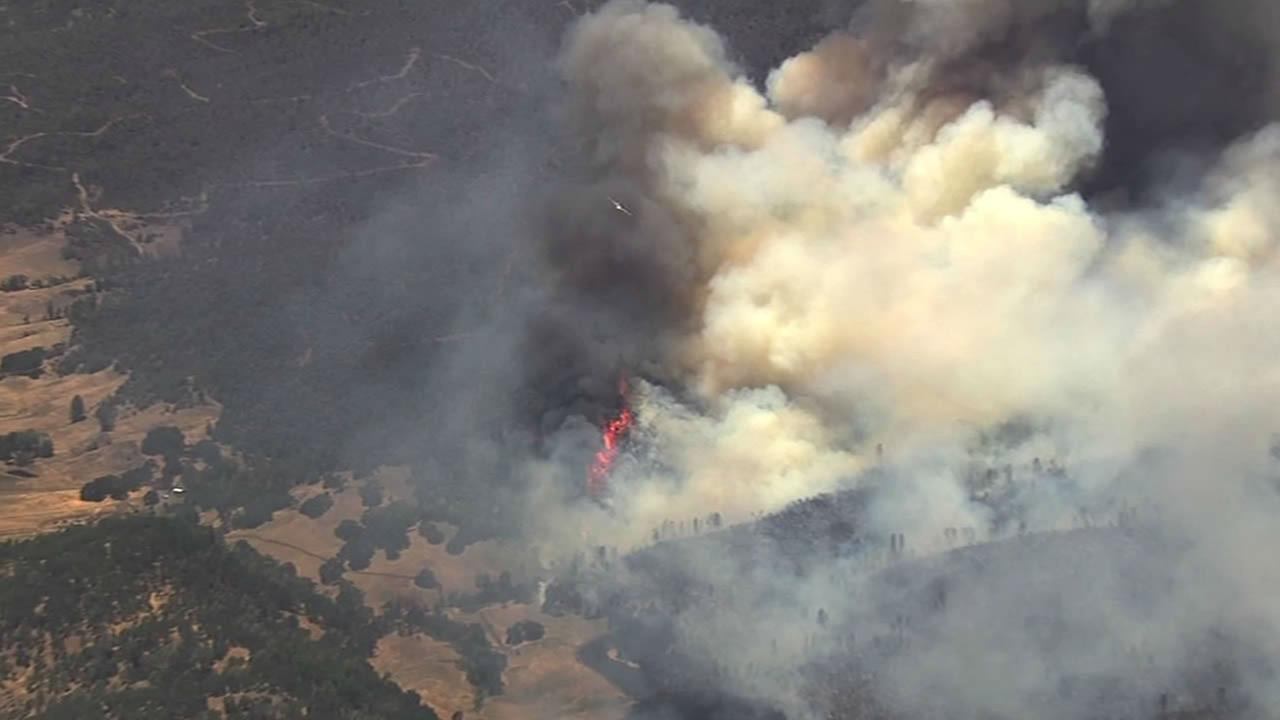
pixel 894 240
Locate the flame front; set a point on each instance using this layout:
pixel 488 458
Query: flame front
pixel 614 431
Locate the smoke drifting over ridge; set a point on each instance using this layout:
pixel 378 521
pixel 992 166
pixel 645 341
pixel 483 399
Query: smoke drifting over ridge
pixel 894 258
pixel 899 238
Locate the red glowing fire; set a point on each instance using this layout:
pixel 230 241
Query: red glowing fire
pixel 611 438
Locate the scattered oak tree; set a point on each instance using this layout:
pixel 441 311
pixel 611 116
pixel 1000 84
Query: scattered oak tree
pixel 77 409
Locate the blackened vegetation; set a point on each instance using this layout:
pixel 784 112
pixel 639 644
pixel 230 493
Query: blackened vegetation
pixel 139 617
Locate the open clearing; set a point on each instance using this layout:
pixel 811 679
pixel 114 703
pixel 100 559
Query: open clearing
pixel 46 494
pixel 543 679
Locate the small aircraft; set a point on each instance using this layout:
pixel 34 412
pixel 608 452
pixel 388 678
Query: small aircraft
pixel 620 207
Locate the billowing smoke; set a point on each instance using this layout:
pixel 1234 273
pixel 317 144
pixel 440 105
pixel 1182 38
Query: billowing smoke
pixel 903 237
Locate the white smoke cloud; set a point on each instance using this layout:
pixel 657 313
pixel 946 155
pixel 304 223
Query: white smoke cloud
pixel 881 263
pixel 952 272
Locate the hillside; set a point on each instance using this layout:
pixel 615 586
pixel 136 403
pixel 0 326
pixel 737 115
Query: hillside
pixel 253 222
pixel 345 343
pixel 152 617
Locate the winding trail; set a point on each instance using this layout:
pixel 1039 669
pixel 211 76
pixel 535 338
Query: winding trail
pixel 86 207
pixel 7 156
pixel 332 9
pixel 411 60
pixel 177 77
pixel 315 556
pixel 468 66
pixel 320 179
pixel 16 97
pixel 255 23
pixel 191 93
pixel 417 155
pixel 408 160
pixel 395 108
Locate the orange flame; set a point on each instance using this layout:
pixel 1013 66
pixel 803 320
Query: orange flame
pixel 614 431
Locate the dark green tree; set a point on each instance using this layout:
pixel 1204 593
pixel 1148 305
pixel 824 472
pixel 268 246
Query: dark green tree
pixel 77 409
pixel 358 553
pixel 371 494
pixel 165 440
pixel 431 532
pixel 426 580
pixel 331 571
pixel 348 530
pixel 106 414
pixel 24 362
pixel 525 631
pixel 316 506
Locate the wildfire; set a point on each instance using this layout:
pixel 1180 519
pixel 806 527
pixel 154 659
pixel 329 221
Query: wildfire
pixel 611 438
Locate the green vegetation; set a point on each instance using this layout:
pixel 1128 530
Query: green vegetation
pixel 491 592
pixel 165 440
pixel 106 415
pixel 243 133
pixel 145 613
pixel 77 409
pixel 331 571
pixel 482 664
pixel 316 506
pixel 525 631
pixel 431 532
pixel 101 488
pixel 382 527
pixel 98 246
pixel 387 526
pixel 207 452
pixel 426 580
pixel 371 494
pixel 24 362
pixel 23 446
pixel 13 283
pixel 117 487
pixel 357 552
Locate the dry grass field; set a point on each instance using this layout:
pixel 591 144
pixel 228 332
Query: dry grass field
pixel 544 679
pixel 46 494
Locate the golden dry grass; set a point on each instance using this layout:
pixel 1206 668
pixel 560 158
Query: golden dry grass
pixel 81 451
pixel 35 252
pixel 293 537
pixel 427 667
pixel 543 680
